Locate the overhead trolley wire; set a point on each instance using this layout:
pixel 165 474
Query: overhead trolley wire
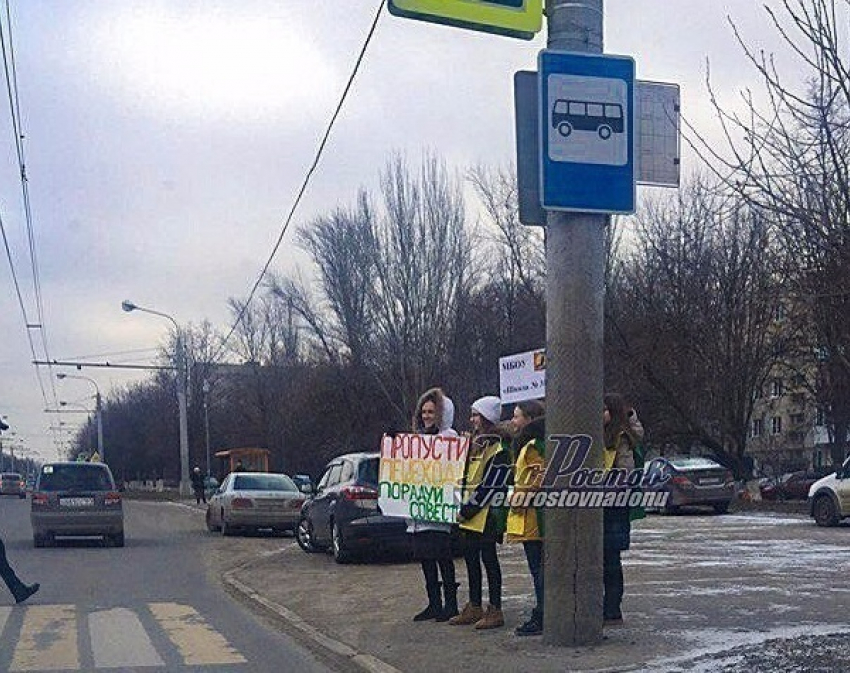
pixel 10 70
pixel 21 303
pixel 305 183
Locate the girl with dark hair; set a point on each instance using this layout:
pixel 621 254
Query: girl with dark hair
pixel 525 523
pixel 619 447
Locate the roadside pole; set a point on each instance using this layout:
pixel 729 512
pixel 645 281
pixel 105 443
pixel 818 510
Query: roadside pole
pixel 575 267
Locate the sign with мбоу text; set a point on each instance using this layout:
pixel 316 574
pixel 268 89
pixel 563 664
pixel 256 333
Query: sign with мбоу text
pixel 522 377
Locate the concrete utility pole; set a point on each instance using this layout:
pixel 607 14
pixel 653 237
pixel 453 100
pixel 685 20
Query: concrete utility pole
pixel 575 269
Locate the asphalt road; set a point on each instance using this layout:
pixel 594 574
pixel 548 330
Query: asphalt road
pixel 747 592
pixel 156 603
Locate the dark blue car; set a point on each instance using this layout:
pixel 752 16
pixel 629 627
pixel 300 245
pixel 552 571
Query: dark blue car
pixel 343 515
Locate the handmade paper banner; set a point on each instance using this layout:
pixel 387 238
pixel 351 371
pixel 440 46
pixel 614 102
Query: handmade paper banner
pixel 420 476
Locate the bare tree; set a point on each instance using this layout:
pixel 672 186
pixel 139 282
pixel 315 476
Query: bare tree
pixel 790 158
pixel 689 320
pixel 344 248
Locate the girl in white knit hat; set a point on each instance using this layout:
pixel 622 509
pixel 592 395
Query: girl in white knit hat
pixel 487 472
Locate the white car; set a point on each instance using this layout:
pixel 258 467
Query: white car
pixel 255 500
pixel 829 498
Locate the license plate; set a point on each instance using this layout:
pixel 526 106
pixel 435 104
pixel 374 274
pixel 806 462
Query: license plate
pixel 710 481
pixel 76 502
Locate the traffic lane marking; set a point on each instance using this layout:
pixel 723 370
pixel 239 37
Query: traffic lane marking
pixel 48 639
pixel 119 640
pixel 198 643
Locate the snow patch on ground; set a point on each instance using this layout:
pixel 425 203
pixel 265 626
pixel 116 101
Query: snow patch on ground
pixel 774 649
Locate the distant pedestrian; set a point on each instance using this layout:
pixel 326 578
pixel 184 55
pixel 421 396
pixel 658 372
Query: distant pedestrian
pixel 239 467
pixel 19 590
pixel 486 473
pixel 198 486
pixel 432 541
pixel 619 453
pixel 525 522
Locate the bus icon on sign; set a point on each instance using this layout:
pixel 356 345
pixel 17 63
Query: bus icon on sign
pixel 583 115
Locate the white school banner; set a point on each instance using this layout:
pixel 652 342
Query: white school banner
pixel 420 476
pixel 522 376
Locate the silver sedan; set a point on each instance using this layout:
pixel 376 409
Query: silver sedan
pixel 255 500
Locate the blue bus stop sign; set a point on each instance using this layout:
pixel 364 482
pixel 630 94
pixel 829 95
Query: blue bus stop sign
pixel 587 132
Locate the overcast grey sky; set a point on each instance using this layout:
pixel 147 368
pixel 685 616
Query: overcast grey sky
pixel 166 140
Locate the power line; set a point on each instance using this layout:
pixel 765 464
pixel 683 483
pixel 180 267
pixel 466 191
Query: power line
pixel 305 183
pixel 10 70
pixel 21 304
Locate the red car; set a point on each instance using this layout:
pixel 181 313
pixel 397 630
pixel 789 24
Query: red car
pixel 791 486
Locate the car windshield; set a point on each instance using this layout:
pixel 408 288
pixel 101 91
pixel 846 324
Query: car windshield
pixel 75 477
pixel 263 482
pixel 369 471
pixel 693 463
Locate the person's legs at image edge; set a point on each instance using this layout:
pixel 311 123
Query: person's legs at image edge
pixel 19 590
pixel 493 618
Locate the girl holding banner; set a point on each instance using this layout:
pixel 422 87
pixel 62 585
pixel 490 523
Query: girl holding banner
pixel 432 541
pixel 487 471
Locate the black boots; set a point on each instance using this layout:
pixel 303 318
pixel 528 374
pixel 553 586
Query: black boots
pixel 533 627
pixel 22 592
pixel 450 606
pixel 435 604
pixel 436 609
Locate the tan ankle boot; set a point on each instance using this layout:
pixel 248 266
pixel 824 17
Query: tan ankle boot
pixel 492 619
pixel 469 615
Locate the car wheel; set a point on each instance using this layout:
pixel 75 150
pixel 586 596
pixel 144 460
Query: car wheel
pixel 824 511
pixel 117 539
pixel 38 541
pixel 671 508
pixel 226 529
pixel 340 553
pixel 211 527
pixel 304 536
pixel 721 509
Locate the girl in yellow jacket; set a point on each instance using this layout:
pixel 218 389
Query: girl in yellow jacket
pixel 525 524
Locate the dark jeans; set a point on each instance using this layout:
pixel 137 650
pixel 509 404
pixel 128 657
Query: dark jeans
pixel 434 551
pixel 534 556
pixel 200 495
pixel 478 550
pixel 612 577
pixel 616 539
pixel 446 571
pixel 7 573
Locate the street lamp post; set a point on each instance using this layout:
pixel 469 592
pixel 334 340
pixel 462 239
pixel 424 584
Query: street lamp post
pixel 206 390
pixel 185 487
pixel 98 411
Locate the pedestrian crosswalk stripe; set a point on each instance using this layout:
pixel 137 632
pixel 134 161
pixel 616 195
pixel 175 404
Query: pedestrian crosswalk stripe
pixel 198 643
pixel 48 639
pixel 4 616
pixel 119 640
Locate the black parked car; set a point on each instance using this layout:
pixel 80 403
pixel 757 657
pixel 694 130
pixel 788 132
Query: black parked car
pixel 691 481
pixel 343 515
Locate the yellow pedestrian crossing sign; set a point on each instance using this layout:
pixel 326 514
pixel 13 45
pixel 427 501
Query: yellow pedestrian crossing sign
pixel 515 18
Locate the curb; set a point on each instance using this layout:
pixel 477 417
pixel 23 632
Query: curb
pixel 366 662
